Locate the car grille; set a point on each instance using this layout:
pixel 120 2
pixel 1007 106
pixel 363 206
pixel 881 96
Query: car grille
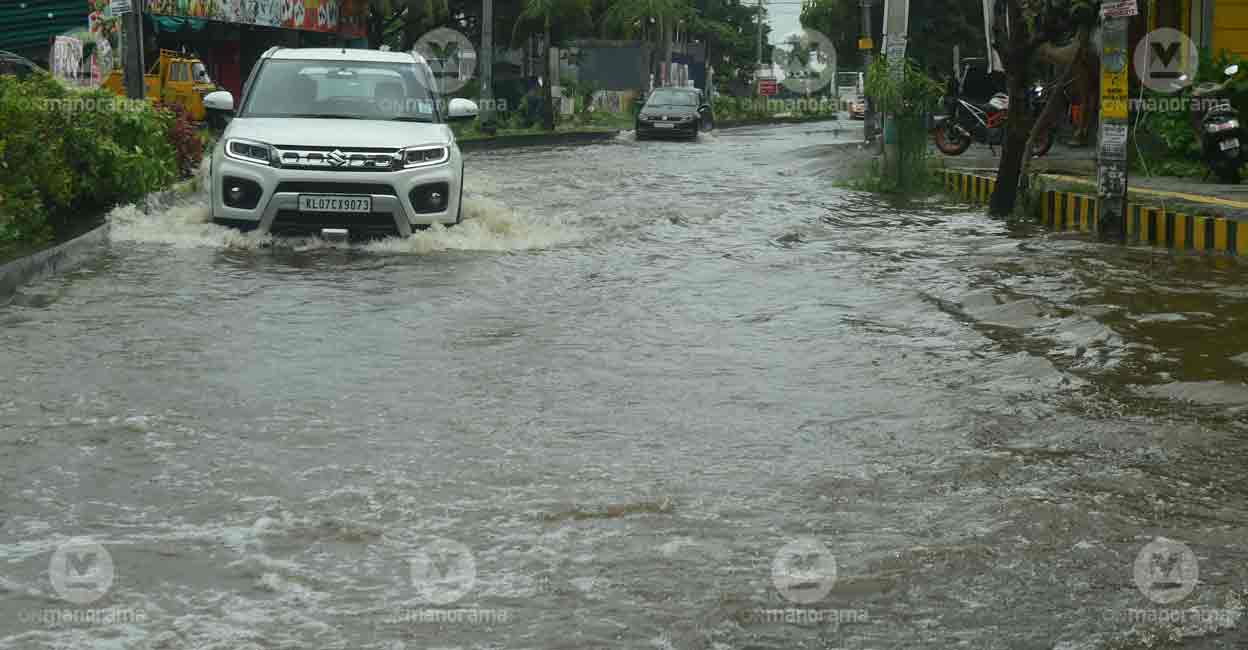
pixel 351 159
pixel 361 226
pixel 317 187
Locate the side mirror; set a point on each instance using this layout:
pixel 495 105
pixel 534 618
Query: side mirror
pixel 462 109
pixel 1232 70
pixel 220 100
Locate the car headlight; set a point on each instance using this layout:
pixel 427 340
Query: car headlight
pixel 424 156
pixel 250 151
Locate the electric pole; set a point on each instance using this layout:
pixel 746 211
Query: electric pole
pixel 1111 186
pixel 132 26
pixel 758 68
pixel 866 44
pixel 487 67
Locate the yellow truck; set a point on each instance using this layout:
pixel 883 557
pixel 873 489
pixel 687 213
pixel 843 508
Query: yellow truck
pixel 174 79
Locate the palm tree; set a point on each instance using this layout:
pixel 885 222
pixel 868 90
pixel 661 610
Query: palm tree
pixel 631 16
pixel 547 11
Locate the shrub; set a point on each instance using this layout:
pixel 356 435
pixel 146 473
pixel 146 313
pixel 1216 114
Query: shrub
pixel 188 147
pixel 65 155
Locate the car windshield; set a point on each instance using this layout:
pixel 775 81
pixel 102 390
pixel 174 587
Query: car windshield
pixel 352 90
pixel 673 98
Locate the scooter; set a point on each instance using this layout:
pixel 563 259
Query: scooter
pixel 1219 129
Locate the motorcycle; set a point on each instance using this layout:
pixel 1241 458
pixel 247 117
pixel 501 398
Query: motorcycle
pixel 966 122
pixel 1219 129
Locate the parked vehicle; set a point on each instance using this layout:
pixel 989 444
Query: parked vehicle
pixel 964 122
pixel 1219 129
pixel 674 112
pixel 174 79
pixel 17 65
pixel 340 142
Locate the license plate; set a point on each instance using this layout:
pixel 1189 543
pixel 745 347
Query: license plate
pixel 1229 144
pixel 334 203
pixel 664 125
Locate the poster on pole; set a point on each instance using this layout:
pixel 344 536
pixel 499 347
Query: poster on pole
pixel 118 7
pixel 1119 8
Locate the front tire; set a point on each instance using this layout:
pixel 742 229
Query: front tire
pixel 949 141
pixel 237 224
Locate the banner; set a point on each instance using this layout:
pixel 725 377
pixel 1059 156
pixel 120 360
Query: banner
pixel 344 17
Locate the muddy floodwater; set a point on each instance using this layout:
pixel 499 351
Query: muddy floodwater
pixel 650 395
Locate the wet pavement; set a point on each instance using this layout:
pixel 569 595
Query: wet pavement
pixel 650 395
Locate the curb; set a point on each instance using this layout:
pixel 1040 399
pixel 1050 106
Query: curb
pixel 61 257
pixel 744 123
pixel 1072 211
pixel 536 140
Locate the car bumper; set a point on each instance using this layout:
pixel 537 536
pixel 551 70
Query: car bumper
pixel 683 129
pixel 277 208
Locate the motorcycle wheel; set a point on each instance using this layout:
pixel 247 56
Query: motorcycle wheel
pixel 949 141
pixel 1042 147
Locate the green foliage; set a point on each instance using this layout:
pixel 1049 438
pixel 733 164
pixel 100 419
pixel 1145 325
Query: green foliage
pixel 902 89
pixel 66 155
pixel 907 96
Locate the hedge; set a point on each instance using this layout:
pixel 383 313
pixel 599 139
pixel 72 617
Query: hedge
pixel 67 155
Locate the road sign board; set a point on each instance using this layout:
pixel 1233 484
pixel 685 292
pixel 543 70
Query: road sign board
pixel 119 7
pixel 1119 8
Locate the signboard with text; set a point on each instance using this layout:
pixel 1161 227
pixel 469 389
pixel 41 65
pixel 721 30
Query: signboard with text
pixel 1119 9
pixel 767 87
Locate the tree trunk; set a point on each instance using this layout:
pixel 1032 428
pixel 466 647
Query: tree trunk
pixel 1018 58
pixel 1056 104
pixel 548 97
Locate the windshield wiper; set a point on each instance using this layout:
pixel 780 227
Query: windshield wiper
pixel 327 116
pixel 411 118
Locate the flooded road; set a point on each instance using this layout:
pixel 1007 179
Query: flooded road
pixel 650 395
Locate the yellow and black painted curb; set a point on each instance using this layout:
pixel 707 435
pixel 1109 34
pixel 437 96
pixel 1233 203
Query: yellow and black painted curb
pixel 1071 211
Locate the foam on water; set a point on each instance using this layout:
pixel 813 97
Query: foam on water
pixel 489 225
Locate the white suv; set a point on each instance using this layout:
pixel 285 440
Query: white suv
pixel 337 139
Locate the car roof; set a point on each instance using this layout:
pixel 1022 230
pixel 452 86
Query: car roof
pixel 330 54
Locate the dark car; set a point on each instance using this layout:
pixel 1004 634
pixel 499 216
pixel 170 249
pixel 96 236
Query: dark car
pixel 15 64
pixel 674 113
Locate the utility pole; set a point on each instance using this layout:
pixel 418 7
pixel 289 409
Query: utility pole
pixel 132 26
pixel 866 44
pixel 758 67
pixel 487 67
pixel 1111 186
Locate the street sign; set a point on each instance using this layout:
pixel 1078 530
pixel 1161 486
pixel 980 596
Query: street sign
pixel 1114 92
pixel 1119 9
pixel 767 87
pixel 119 7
